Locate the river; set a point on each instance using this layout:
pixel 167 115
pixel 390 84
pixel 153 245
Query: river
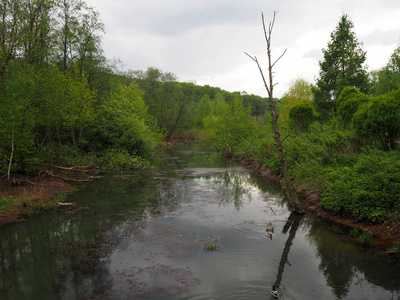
pixel 192 227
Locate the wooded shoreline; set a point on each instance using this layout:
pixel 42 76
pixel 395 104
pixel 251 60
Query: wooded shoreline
pixel 384 234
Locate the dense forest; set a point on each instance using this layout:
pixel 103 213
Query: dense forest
pixel 63 103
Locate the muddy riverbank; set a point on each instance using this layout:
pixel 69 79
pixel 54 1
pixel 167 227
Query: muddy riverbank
pixel 29 195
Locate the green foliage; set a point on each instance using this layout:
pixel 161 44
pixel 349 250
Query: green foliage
pixel 299 92
pixel 368 188
pixel 211 247
pixel 387 79
pixel 230 126
pixel 379 120
pixel 354 232
pixel 123 122
pixel 119 159
pixel 301 116
pixel 348 103
pixel 365 238
pixel 341 66
pixel 396 247
pixel 5 203
pixel 204 109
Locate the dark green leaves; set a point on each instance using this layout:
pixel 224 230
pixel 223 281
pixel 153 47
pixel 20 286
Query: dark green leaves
pixel 342 66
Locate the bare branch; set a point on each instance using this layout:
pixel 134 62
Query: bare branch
pixel 261 72
pixel 279 58
pixel 252 58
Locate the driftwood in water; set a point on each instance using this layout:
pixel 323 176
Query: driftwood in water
pixel 66 178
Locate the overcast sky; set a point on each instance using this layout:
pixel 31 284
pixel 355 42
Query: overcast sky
pixel 205 40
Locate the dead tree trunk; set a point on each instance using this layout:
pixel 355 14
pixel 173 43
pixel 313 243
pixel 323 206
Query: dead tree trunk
pixel 288 188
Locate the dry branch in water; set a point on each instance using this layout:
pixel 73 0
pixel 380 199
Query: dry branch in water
pixel 66 178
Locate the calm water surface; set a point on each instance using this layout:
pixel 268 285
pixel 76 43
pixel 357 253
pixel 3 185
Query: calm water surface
pixel 142 236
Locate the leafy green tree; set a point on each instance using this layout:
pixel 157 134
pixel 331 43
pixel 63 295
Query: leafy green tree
pixel 231 125
pixel 388 78
pixel 348 103
pixel 301 116
pixel 167 99
pixel 76 34
pixel 49 99
pixel 203 110
pixel 17 115
pixel 259 105
pixel 299 92
pixel 379 120
pixel 37 31
pixel 77 109
pixel 123 122
pixel 342 65
pixel 11 32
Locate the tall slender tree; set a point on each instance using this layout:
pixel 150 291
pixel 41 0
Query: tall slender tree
pixel 342 65
pixel 77 34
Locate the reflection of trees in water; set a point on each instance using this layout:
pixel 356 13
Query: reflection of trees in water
pixel 335 265
pixel 343 263
pixel 337 260
pixel 32 255
pixel 232 187
pixel 292 224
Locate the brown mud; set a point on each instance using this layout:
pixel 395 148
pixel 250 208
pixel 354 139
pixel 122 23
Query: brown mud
pixel 38 192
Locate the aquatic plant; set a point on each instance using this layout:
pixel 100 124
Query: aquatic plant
pixel 354 232
pixel 365 239
pixel 211 247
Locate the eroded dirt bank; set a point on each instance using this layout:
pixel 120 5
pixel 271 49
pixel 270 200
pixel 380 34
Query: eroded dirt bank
pixel 39 192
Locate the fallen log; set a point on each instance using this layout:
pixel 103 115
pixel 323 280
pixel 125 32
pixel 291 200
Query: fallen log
pixel 77 168
pixel 66 178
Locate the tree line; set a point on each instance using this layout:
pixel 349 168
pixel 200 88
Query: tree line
pixel 62 102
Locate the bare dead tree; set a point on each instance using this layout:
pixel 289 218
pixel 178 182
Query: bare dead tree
pixel 287 187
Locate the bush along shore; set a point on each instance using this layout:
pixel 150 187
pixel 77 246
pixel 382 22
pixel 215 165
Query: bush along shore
pixel 359 190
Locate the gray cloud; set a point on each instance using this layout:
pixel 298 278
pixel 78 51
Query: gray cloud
pixel 206 40
pixel 382 37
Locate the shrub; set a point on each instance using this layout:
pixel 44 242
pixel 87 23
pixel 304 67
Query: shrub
pixel 301 116
pixel 379 120
pixel 365 239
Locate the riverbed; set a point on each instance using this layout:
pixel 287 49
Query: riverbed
pixel 195 226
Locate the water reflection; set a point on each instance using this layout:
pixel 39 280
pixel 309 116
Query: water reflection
pixel 142 235
pixel 344 264
pixel 292 223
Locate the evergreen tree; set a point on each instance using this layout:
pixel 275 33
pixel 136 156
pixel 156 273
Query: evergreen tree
pixel 342 65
